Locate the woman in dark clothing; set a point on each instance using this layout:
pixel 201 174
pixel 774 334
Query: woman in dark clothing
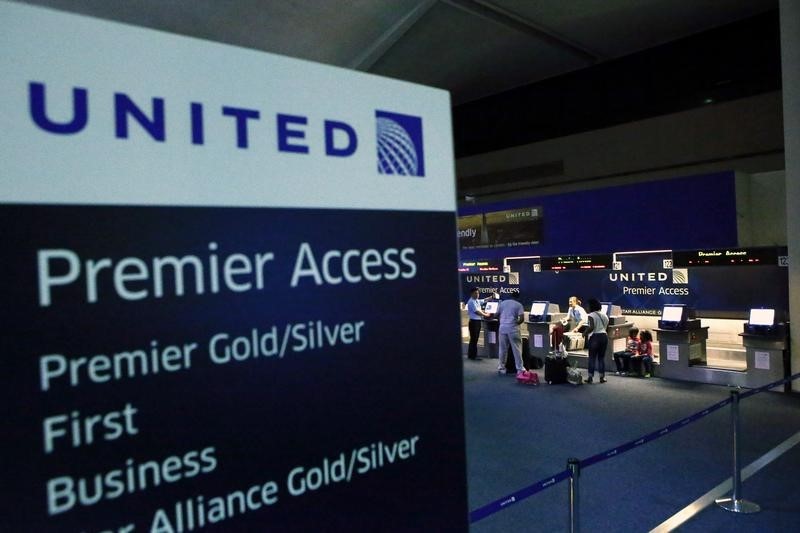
pixel 598 340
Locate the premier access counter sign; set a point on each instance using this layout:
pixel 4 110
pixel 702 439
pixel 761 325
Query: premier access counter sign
pixel 204 247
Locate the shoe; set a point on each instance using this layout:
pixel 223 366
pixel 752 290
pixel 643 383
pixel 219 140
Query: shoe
pixel 589 379
pixel 619 373
pixel 647 375
pixel 602 380
pixel 501 371
pixel 624 374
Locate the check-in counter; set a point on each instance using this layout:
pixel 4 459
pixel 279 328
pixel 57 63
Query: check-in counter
pixel 491 339
pixel 617 331
pixel 682 353
pixel 539 333
pixel 617 340
pixel 767 359
pixel 539 338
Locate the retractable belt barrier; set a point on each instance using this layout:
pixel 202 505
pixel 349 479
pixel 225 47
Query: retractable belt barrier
pixel 550 481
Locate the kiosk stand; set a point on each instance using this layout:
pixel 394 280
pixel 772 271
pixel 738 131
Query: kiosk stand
pixel 681 343
pixel 766 343
pixel 682 347
pixel 541 319
pixel 617 331
pixel 491 338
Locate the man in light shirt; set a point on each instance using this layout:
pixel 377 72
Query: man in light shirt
pixel 476 316
pixel 511 314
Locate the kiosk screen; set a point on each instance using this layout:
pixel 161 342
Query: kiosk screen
pixel 762 317
pixel 491 307
pixel 606 308
pixel 672 313
pixel 538 312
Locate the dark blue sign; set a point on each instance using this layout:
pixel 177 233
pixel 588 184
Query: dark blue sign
pixel 170 369
pixel 679 214
pixel 641 283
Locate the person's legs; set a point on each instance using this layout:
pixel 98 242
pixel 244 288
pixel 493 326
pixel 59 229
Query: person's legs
pixel 601 344
pixel 647 361
pixel 474 333
pixel 501 363
pixel 636 365
pixel 618 361
pixel 516 348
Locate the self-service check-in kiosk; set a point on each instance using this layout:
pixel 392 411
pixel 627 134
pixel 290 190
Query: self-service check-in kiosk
pixel 681 342
pixel 491 328
pixel 541 319
pixel 766 342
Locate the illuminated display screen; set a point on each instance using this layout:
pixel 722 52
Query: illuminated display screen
pixel 538 308
pixel 577 262
pixel 473 267
pixel 762 317
pixel 672 313
pixel 727 257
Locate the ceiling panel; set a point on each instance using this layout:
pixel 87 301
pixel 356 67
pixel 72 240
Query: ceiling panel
pixel 472 48
pixel 619 27
pixel 334 32
pixel 471 56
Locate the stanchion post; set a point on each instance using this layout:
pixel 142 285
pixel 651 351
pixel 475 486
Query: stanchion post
pixel 574 467
pixel 736 503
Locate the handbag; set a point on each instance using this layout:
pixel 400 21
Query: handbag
pixel 574 376
pixel 528 377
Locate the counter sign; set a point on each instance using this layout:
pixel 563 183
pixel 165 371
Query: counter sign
pixel 202 279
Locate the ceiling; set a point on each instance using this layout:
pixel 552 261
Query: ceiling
pixel 473 48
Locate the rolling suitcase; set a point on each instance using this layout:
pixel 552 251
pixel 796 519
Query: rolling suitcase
pixel 556 336
pixel 555 370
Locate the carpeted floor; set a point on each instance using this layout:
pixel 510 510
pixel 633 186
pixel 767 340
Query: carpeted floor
pixel 517 435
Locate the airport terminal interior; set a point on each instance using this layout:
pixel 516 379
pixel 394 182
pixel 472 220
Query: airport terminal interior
pixel 641 153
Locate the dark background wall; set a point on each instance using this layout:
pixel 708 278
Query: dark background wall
pixel 678 214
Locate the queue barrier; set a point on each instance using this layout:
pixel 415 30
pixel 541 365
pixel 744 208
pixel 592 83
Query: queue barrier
pixel 575 466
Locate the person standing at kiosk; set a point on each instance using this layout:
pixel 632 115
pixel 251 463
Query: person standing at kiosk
pixel 511 314
pixel 475 314
pixel 598 340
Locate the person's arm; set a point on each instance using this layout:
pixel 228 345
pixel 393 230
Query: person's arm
pixel 583 320
pixel 521 316
pixel 476 305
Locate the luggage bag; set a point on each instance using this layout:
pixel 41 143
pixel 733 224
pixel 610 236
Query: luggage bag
pixel 555 370
pixel 529 377
pixel 574 341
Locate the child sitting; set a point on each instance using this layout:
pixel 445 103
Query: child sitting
pixel 645 352
pixel 623 359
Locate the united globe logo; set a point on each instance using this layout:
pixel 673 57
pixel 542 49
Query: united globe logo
pixel 399 140
pixel 680 276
